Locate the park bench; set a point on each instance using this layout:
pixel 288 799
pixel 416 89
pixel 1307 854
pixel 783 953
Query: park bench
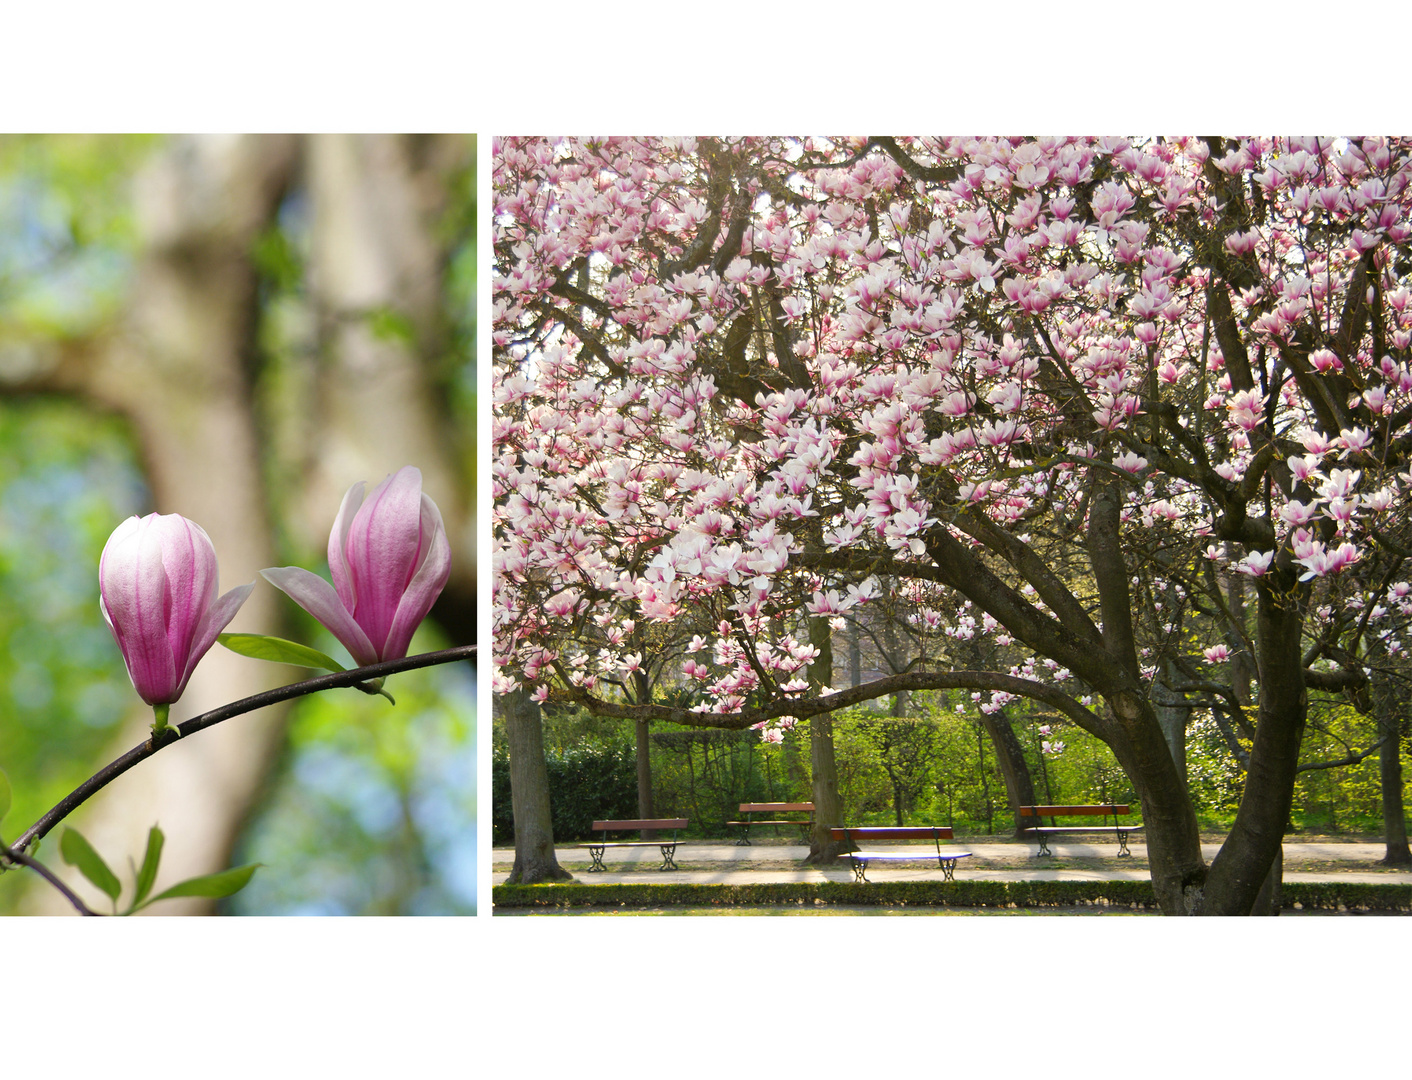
pixel 1043 832
pixel 668 847
pixel 945 857
pixel 776 808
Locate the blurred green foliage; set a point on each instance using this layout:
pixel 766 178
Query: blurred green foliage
pixel 66 479
pixel 371 810
pixel 66 231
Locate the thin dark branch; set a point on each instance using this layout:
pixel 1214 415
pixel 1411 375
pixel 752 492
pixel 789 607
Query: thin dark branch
pixel 12 855
pixel 112 771
pixel 1353 758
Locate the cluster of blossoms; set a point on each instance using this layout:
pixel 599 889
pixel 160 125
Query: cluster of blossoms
pixel 157 583
pixel 736 381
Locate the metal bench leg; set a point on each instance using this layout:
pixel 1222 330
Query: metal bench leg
pixel 595 852
pixel 668 850
pixel 860 867
pixel 1123 843
pixel 1043 845
pixel 948 869
pixel 744 840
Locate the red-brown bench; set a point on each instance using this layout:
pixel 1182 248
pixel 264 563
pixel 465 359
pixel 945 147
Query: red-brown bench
pixel 668 847
pixel 1042 833
pixel 945 857
pixel 749 808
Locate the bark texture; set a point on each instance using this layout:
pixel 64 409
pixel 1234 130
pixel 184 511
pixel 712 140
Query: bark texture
pixel 828 807
pixel 1239 871
pixel 1019 784
pixel 1386 708
pixel 535 860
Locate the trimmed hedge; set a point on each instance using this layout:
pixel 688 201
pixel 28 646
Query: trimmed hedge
pixel 1353 896
pixel 586 784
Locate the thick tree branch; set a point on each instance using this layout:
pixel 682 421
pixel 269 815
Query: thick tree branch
pixel 802 708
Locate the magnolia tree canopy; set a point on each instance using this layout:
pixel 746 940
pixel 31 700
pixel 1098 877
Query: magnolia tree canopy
pixel 1061 392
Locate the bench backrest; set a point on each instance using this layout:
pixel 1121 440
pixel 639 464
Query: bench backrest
pixel 893 832
pixel 776 807
pixel 1066 811
pixel 640 823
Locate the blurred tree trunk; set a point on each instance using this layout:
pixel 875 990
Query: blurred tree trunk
pixel 376 269
pixel 179 366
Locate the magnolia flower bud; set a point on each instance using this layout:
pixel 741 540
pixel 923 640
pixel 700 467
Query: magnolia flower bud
pixel 157 582
pixel 389 558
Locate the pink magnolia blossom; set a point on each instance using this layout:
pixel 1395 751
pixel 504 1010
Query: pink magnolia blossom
pixel 157 583
pixel 1255 564
pixel 1216 654
pixel 389 558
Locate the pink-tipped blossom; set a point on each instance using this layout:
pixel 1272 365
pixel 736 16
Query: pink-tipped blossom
pixel 389 558
pixel 1216 654
pixel 1254 564
pixel 157 581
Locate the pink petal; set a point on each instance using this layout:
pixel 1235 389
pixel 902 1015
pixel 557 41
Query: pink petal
pixel 425 586
pixel 316 596
pixel 132 586
pixel 385 547
pixel 216 618
pixel 338 546
pixel 189 560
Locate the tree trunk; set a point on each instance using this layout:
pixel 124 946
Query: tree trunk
pixel 828 807
pixel 1390 774
pixel 855 655
pixel 1271 896
pixel 644 770
pixel 1173 714
pixel 1238 873
pixel 1173 839
pixel 1019 784
pixel 535 861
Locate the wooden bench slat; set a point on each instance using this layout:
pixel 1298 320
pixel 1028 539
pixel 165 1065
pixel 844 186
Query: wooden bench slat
pixel 916 853
pixel 1066 811
pixel 1082 828
pixel 776 808
pixel 893 832
pixel 640 823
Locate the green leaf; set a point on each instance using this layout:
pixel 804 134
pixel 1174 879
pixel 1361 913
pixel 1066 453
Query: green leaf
pixel 279 651
pixel 4 795
pixel 225 883
pixel 79 852
pixel 147 876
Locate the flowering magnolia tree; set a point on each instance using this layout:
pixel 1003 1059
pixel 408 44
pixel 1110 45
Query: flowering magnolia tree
pixel 1083 395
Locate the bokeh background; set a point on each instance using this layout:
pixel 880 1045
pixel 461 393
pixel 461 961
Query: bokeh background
pixel 236 328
